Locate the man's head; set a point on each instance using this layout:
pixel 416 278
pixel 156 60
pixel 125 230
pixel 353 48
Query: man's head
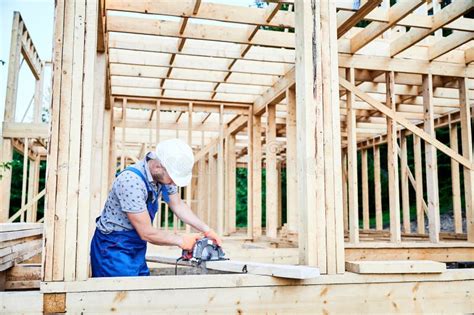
pixel 159 173
pixel 174 163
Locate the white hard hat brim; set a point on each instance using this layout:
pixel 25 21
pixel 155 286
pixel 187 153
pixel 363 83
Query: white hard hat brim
pixel 181 181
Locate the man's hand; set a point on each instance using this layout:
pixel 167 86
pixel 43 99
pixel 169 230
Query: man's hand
pixel 189 240
pixel 213 236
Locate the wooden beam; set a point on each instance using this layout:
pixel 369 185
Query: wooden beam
pixel 257 175
pixel 395 267
pixel 365 190
pixel 431 161
pixel 443 17
pixel 271 177
pixel 207 11
pixel 352 162
pixel 377 189
pixel 291 170
pixel 455 179
pixel 466 138
pixel 445 45
pixel 392 161
pixel 25 130
pixel 395 13
pixel 405 192
pixel 198 31
pixel 358 16
pixel 274 94
pixel 405 123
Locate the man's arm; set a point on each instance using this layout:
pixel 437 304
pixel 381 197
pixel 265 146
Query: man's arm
pixel 183 211
pixel 142 224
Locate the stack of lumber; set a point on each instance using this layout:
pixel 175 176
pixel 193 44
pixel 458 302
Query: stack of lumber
pixel 19 242
pixel 23 277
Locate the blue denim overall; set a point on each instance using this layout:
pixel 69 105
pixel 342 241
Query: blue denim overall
pixel 122 253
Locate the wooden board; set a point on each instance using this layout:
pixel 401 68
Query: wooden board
pixel 275 270
pixel 395 266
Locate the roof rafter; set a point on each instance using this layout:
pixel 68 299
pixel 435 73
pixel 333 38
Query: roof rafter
pixel 443 17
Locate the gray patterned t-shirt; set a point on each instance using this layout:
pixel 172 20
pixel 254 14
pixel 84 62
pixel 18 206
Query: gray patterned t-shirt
pixel 128 194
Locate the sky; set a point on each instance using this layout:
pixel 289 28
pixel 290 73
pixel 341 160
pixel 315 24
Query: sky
pixel 38 16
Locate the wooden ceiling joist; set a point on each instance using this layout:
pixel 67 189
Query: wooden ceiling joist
pixel 375 29
pixel 443 17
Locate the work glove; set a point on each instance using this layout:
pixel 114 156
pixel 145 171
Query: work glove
pixel 189 240
pixel 213 236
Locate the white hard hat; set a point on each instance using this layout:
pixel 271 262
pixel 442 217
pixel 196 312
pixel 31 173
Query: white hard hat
pixel 178 159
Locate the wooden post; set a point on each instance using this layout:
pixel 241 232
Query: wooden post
pixel 220 174
pixel 405 182
pixel 365 190
pixel 38 98
pixel 31 181
pixel 231 184
pixel 257 176
pixel 158 116
pixel 100 126
pixel 321 241
pixel 250 175
pixel 6 153
pixel 70 153
pixel 353 196
pixel 123 143
pixel 378 190
pixel 392 157
pixel 455 179
pixel 190 139
pixel 24 177
pixel 431 160
pixel 279 205
pixel 291 171
pixel 344 191
pixel 466 137
pixel 420 212
pixel 271 174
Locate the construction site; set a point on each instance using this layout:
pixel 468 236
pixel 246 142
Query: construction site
pixel 323 133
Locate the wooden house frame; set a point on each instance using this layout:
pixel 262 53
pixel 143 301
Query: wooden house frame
pixel 305 89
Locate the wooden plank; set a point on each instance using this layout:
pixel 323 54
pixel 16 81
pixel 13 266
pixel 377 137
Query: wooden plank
pixel 358 16
pixel 207 11
pixel 274 270
pixel 352 162
pixel 232 177
pixel 12 227
pixel 393 182
pixel 220 175
pixel 466 138
pixel 405 183
pixel 311 195
pixel 420 214
pixel 405 123
pixel 281 271
pixel 377 189
pixel 443 17
pixel 168 28
pixel 92 109
pixel 455 179
pixel 257 175
pixel 25 130
pixel 431 161
pixel 53 157
pixel 271 147
pixel 250 174
pixel 395 13
pixel 445 45
pixel 395 266
pixel 365 190
pixel 291 163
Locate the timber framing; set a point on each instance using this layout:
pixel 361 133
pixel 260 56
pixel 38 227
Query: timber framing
pixel 301 97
